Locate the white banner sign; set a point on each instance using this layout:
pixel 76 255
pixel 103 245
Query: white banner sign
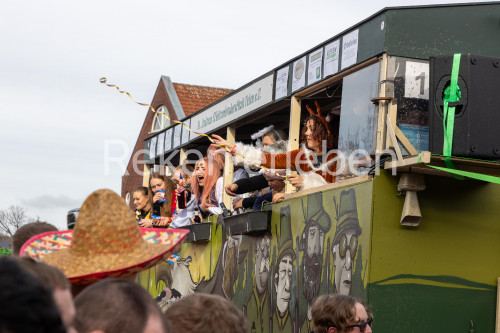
pixel 185 131
pixel 258 94
pixel 315 63
pixel 282 83
pixel 177 136
pixel 331 65
pixel 350 49
pixel 160 145
pixel 168 139
pixel 152 147
pixel 299 76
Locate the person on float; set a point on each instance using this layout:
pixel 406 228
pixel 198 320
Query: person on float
pixel 256 183
pixel 276 181
pixel 142 207
pixel 185 199
pixel 219 155
pixel 267 136
pixel 207 186
pixel 162 199
pixel 315 162
pixel 271 141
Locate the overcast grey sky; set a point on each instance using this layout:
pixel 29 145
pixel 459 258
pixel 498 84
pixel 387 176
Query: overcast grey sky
pixel 55 116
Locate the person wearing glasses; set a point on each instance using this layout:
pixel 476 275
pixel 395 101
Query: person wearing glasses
pixel 345 241
pixel 340 314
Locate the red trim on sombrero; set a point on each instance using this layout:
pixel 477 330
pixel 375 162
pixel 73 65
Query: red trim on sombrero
pixel 40 245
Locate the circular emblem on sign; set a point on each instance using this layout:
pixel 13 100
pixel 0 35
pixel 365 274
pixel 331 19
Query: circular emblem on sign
pixel 299 69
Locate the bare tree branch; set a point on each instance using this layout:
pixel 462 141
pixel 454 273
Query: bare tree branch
pixel 12 219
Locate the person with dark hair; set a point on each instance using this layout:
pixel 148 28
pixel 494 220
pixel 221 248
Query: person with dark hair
pixel 27 306
pixel 118 306
pixel 339 314
pixel 315 163
pixel 276 180
pixel 142 207
pixel 55 281
pixel 162 198
pixel 206 313
pixel 255 183
pixel 27 231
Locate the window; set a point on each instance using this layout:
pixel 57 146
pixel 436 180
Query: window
pixel 160 121
pixel 127 198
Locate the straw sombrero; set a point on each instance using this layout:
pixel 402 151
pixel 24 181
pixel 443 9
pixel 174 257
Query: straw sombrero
pixel 106 242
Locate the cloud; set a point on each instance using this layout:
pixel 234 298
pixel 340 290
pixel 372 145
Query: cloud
pixel 46 202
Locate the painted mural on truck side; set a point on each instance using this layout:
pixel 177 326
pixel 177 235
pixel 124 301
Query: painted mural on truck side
pixel 316 244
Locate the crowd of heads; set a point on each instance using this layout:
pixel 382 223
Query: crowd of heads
pixel 39 297
pixel 31 301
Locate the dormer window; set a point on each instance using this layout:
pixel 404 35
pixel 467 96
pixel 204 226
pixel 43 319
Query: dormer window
pixel 160 120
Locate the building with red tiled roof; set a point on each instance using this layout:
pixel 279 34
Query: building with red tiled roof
pixel 194 98
pixel 178 101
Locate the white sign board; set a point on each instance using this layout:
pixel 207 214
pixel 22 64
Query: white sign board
pixel 185 131
pixel 251 98
pixel 315 63
pixel 350 49
pixel 417 80
pixel 177 136
pixel 152 147
pixel 281 83
pixel 298 74
pixel 331 57
pixel 168 139
pixel 161 144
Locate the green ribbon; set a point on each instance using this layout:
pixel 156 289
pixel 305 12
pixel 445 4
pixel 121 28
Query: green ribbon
pixel 451 94
pixel 474 175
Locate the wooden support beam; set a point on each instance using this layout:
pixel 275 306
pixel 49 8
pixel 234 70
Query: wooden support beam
pixel 425 158
pixel 294 133
pixel 182 155
pixel 497 330
pixel 391 141
pixel 228 167
pixel 145 177
pixel 381 103
pixel 404 140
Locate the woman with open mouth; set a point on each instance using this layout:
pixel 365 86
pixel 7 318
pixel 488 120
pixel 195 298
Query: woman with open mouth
pixel 207 186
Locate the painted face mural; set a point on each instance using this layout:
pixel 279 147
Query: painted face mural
pixel 230 262
pixel 284 281
pixel 345 242
pixel 284 264
pixel 344 253
pixel 313 240
pixel 262 259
